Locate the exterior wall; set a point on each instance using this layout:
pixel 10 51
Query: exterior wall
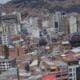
pixel 11 23
pixel 45 23
pixel 5 40
pixel 72 72
pixel 18 27
pixel 6 64
pixel 78 73
pixel 57 21
pixel 52 22
pixel 78 23
pixel 65 24
pixel 32 26
pixel 56 27
pixel 73 24
pixel 10 26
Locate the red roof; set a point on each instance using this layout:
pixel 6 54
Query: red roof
pixel 49 77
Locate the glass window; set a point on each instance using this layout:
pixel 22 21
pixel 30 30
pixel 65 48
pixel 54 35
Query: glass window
pixel 70 69
pixel 70 74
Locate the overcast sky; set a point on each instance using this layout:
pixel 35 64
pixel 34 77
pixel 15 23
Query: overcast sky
pixel 4 1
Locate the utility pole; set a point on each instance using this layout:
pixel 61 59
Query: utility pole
pixel 18 51
pixel 18 78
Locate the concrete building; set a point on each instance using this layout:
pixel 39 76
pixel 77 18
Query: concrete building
pixel 72 70
pixel 5 39
pixel 31 24
pixel 72 58
pixel 78 23
pixel 57 21
pixel 65 24
pixel 11 22
pixel 6 64
pixel 72 24
pixel 45 23
pixel 10 26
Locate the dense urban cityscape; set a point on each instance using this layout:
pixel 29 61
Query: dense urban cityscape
pixel 40 47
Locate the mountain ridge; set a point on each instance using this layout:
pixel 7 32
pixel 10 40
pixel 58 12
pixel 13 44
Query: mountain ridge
pixel 44 5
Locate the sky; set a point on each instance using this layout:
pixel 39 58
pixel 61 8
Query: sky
pixel 3 1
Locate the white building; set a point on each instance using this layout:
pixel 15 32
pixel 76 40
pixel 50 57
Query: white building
pixel 34 27
pixel 72 24
pixel 10 26
pixel 72 70
pixel 5 40
pixel 11 23
pixel 31 24
pixel 56 21
pixel 45 23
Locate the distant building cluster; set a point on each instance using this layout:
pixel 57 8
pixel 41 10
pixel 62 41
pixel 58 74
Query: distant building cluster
pixel 12 26
pixel 40 46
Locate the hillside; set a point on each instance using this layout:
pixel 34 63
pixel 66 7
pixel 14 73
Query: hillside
pixel 44 5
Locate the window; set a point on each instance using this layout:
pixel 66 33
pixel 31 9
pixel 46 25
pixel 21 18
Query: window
pixel 74 69
pixel 64 74
pixel 56 24
pixel 70 69
pixel 58 75
pixel 74 74
pixel 74 79
pixel 70 74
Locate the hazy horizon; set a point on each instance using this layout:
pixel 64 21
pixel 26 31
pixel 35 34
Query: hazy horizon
pixel 4 1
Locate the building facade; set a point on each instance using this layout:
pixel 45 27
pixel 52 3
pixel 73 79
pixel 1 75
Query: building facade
pixel 10 26
pixel 73 67
pixel 6 64
pixel 73 24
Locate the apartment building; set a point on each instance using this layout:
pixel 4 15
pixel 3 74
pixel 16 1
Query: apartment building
pixel 10 23
pixel 57 19
pixel 73 67
pixel 73 24
pixel 30 24
pixel 6 64
pixel 10 27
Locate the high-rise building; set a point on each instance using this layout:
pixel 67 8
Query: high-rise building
pixel 73 67
pixel 31 25
pixel 5 40
pixel 78 73
pixel 10 26
pixel 65 24
pixel 72 24
pixel 57 21
pixel 6 64
pixel 11 22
